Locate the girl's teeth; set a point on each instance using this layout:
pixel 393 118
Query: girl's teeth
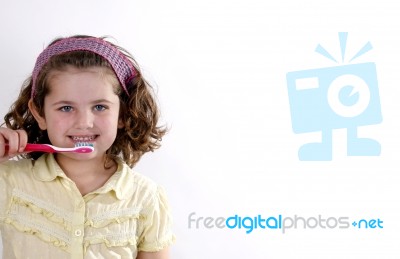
pixel 85 139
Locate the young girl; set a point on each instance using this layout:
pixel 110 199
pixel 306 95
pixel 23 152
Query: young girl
pixel 82 205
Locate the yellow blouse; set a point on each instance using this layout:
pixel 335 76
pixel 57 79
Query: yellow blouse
pixel 43 214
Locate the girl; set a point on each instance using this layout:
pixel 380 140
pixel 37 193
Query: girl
pixel 82 205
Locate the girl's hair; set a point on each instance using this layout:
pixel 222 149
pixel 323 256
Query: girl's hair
pixel 138 110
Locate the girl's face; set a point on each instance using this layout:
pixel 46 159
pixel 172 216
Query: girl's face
pixel 81 107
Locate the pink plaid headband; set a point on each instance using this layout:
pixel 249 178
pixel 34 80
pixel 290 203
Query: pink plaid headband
pixel 123 68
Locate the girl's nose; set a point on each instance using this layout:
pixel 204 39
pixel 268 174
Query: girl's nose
pixel 84 120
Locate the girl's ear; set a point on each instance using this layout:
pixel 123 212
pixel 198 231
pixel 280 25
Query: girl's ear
pixel 40 120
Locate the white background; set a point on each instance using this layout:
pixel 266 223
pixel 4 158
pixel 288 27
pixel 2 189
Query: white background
pixel 219 68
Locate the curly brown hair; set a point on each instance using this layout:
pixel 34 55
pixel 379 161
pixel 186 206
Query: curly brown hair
pixel 139 111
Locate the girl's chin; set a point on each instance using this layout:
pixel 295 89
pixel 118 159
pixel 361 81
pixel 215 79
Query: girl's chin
pixel 81 156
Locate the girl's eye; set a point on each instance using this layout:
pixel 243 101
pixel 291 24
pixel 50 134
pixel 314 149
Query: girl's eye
pixel 66 109
pixel 99 107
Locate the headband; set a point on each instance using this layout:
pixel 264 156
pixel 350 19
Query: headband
pixel 123 68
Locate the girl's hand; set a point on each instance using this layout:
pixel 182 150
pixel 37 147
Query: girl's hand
pixel 16 141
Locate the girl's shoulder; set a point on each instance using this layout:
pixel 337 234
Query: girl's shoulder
pixel 132 183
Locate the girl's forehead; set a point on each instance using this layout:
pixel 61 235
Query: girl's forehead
pixel 76 82
pixel 82 76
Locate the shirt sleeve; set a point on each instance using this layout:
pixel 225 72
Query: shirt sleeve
pixel 3 189
pixel 157 228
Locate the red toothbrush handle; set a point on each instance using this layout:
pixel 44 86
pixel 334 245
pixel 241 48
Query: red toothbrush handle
pixel 37 148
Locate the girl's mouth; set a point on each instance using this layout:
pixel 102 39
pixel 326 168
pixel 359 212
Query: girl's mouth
pixel 83 138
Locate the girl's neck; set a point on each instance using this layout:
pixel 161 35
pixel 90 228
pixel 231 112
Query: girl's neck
pixel 88 175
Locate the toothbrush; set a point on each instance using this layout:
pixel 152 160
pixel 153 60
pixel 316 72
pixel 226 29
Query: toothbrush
pixel 80 147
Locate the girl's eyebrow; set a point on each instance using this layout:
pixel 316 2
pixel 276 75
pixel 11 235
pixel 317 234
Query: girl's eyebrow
pixel 101 101
pixel 66 102
pixel 62 103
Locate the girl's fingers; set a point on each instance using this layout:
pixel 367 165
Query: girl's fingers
pixel 23 140
pixel 12 137
pixel 2 146
pixel 12 142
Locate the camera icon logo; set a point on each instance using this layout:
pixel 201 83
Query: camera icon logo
pixel 325 99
